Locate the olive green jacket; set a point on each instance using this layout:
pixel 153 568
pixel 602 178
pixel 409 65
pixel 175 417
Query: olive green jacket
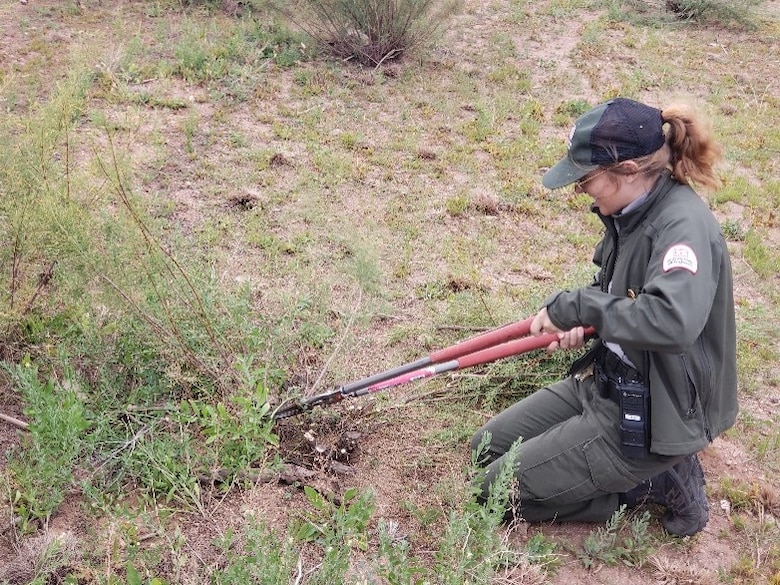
pixel 671 308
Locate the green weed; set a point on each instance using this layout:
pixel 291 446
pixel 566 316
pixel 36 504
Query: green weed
pixel 396 562
pixel 42 471
pixel 566 112
pixel 623 539
pixel 733 230
pixel 265 558
pixel 342 524
pixel 134 577
pixel 457 205
pixel 471 547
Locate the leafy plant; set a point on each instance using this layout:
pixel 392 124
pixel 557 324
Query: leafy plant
pixel 134 577
pixel 395 561
pixel 623 539
pixel 471 547
pixel 338 524
pixel 540 550
pixel 43 470
pixel 733 230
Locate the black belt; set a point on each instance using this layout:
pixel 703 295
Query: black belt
pixel 616 368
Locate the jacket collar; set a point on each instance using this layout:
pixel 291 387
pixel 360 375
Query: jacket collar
pixel 627 222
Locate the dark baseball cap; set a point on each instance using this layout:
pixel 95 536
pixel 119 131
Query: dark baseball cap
pixel 617 130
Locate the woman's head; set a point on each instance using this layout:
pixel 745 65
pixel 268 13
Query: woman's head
pixel 623 130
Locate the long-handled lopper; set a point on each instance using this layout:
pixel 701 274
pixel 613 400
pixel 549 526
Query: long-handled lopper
pixel 506 341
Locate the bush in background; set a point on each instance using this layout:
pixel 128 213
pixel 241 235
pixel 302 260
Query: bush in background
pixel 739 11
pixel 372 32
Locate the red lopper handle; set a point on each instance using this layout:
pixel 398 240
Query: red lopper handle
pixel 510 348
pixel 486 340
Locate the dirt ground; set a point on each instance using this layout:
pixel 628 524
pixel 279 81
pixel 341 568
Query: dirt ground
pixel 389 451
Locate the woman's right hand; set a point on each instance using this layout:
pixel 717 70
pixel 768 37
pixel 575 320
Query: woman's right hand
pixel 571 339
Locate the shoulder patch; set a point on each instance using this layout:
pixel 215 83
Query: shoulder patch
pixel 680 256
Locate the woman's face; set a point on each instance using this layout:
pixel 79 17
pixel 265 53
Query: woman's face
pixel 611 192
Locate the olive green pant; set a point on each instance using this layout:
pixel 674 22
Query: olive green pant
pixel 570 466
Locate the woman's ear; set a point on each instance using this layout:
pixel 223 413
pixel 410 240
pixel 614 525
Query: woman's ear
pixel 629 167
pixel 629 170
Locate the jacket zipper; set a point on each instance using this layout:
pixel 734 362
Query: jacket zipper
pixel 705 405
pixel 691 388
pixel 612 260
pixel 692 394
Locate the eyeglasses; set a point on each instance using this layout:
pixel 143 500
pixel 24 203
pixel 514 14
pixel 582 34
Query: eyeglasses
pixel 580 183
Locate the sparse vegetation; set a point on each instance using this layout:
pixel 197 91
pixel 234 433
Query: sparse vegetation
pixel 203 215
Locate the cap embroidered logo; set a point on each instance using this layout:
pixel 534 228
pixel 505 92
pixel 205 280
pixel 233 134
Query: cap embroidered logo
pixel 571 136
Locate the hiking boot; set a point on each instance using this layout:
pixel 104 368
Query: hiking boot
pixel 681 491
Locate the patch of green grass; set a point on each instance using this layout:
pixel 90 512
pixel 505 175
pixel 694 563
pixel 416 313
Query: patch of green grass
pixel 566 112
pixel 761 254
pixel 564 8
pixel 151 100
pixel 754 355
pixel 761 438
pixel 736 189
pixel 457 204
pixel 513 78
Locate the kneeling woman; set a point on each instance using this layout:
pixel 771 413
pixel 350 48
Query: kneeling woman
pixel 660 382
